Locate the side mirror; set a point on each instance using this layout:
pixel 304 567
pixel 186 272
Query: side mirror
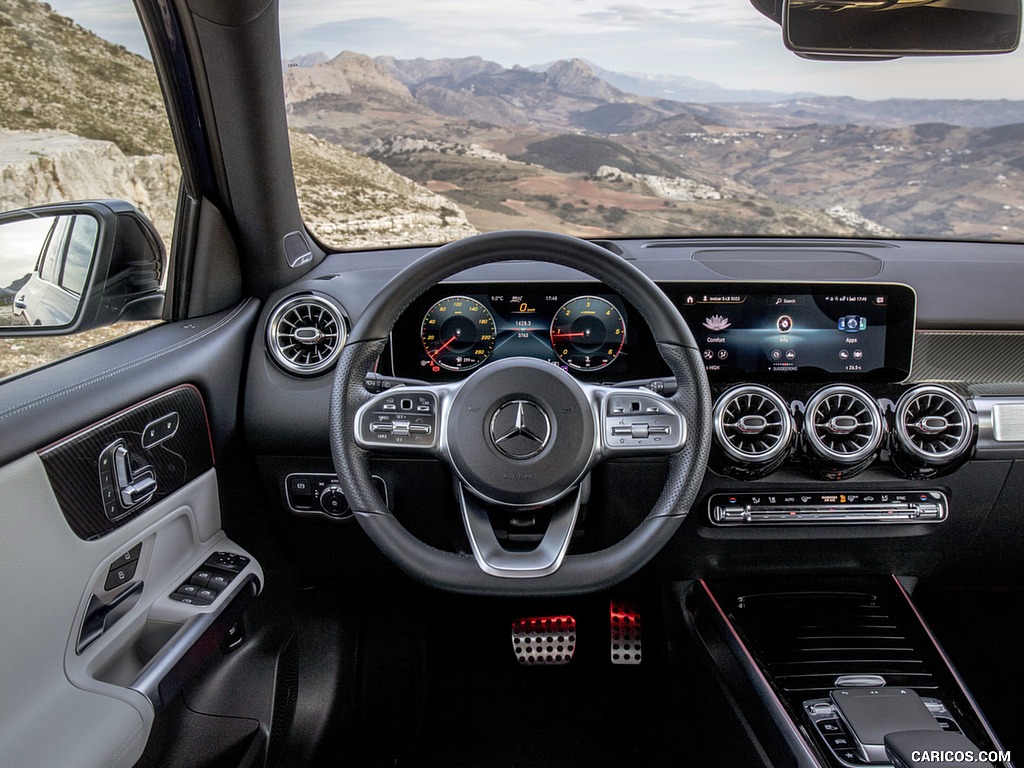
pixel 71 267
pixel 886 29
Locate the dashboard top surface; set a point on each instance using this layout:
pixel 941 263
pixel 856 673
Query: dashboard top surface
pixel 959 285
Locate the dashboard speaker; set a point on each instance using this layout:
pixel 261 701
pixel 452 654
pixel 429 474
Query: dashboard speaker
pixel 843 430
pixel 297 250
pixel 305 334
pixel 753 429
pixel 933 429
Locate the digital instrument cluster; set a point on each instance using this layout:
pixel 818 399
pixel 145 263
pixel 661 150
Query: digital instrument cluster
pixel 762 332
pixel 582 331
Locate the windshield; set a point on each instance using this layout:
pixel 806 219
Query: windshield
pixel 419 122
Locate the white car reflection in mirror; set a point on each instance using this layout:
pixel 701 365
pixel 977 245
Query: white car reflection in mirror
pixel 44 265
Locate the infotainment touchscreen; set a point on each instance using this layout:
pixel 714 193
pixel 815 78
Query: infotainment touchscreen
pixel 800 331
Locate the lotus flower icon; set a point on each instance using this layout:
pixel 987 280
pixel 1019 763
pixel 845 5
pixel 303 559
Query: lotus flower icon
pixel 717 323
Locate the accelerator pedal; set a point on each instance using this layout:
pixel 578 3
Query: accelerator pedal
pixel 544 640
pixel 626 642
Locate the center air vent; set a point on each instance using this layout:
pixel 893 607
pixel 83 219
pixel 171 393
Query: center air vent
pixel 305 334
pixel 752 424
pixel 843 425
pixel 932 424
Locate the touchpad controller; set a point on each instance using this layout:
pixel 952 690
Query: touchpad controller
pixel 871 713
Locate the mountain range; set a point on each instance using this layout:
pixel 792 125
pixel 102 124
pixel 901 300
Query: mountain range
pixel 475 88
pixel 567 148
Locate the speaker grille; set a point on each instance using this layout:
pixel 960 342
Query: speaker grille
pixel 305 334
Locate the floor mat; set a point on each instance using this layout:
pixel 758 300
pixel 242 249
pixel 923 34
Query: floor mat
pixel 440 685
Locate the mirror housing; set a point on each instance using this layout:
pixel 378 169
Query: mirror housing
pixel 122 278
pixel 876 30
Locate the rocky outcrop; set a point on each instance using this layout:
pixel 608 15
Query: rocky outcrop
pixel 673 188
pixel 574 77
pixel 40 167
pixel 352 201
pixel 347 74
pixel 405 145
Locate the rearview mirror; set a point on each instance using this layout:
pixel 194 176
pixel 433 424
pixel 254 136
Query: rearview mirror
pixel 841 29
pixel 74 266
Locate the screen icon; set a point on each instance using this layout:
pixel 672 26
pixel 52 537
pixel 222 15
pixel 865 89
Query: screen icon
pixel 784 324
pixel 852 323
pixel 717 323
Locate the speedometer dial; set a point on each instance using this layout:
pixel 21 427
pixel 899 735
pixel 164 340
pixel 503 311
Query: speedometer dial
pixel 458 333
pixel 587 333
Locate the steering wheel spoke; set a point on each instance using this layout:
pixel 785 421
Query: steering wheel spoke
pixel 404 419
pixel 636 422
pixel 497 560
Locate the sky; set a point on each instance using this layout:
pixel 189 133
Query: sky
pixel 726 42
pixel 20 243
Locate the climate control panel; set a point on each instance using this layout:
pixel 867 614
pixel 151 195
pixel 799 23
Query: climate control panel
pixel 851 507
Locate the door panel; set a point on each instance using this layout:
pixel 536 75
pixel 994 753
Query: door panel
pixel 46 405
pixel 93 642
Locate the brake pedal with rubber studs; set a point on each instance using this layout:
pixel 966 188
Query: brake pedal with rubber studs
pixel 544 640
pixel 626 641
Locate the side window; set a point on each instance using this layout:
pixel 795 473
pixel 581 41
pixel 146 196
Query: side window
pixel 79 254
pixel 53 250
pixel 81 118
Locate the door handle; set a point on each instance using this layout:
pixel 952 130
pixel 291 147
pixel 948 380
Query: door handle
pixel 97 613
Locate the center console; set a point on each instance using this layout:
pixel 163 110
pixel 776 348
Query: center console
pixel 828 672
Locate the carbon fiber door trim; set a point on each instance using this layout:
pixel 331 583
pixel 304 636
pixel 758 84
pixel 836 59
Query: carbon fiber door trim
pixel 87 490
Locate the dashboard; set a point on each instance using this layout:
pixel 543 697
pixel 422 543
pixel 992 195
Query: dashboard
pixel 745 331
pixel 897 391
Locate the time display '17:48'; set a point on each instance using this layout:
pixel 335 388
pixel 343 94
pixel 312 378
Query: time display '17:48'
pixel 588 333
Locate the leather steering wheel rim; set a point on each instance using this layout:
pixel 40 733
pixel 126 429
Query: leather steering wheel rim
pixel 577 574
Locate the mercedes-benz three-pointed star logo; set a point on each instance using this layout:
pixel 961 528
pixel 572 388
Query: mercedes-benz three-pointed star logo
pixel 520 429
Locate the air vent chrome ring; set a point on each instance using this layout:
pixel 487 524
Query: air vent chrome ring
pixel 843 424
pixel 752 424
pixel 933 424
pixel 306 333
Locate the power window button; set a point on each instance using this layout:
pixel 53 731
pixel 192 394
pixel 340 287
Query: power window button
pixel 201 579
pixel 218 581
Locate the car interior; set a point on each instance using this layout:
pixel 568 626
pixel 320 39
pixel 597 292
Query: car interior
pixel 517 499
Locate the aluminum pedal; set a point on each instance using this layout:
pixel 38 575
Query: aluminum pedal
pixel 544 640
pixel 626 641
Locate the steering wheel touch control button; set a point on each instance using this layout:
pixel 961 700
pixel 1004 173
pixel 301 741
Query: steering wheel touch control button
pixel 399 418
pixel 636 420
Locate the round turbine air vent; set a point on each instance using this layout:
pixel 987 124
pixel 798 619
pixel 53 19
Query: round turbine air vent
pixel 843 424
pixel 752 424
pixel 305 334
pixel 932 423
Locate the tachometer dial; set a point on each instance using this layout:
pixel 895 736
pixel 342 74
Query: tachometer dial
pixel 587 333
pixel 458 333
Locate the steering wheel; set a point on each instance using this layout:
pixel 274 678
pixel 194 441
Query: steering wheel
pixel 520 433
